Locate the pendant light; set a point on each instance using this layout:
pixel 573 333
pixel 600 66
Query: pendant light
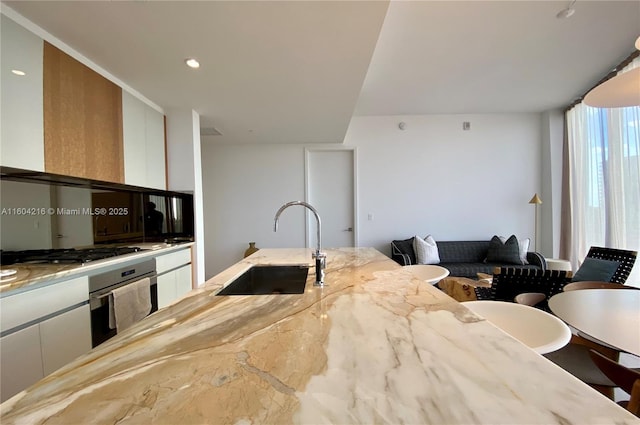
pixel 621 91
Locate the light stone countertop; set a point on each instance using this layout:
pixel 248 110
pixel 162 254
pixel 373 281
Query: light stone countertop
pixel 375 346
pixel 32 276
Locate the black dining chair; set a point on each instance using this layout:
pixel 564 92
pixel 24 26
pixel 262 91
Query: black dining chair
pixel 509 283
pixel 606 264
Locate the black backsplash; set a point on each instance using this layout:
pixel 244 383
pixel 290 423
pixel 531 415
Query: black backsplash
pixel 119 213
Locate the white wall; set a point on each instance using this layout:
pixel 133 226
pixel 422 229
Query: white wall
pixel 184 173
pixel 243 188
pixel 432 178
pixel 551 194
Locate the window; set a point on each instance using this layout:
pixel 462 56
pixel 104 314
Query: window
pixel 604 179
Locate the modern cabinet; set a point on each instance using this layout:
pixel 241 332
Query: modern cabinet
pixel 184 282
pixel 65 337
pixel 174 276
pixel 20 361
pixel 43 329
pixel 144 144
pixel 82 120
pixel 62 117
pixel 156 153
pixel 21 110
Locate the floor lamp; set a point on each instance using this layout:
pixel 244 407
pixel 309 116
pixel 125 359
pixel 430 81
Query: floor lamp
pixel 536 201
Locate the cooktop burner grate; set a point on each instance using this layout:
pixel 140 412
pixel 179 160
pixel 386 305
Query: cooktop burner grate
pixel 62 256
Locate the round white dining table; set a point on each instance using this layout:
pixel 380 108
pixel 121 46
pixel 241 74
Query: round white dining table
pixel 537 329
pixel 609 315
pixel 428 272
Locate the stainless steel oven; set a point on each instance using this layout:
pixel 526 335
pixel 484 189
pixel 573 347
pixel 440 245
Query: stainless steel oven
pixel 100 287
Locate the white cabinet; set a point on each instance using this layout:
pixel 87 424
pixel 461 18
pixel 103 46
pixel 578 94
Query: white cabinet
pixel 144 147
pixel 44 329
pixel 174 284
pixel 156 164
pixel 184 282
pixel 134 140
pixel 174 276
pixel 35 305
pixel 65 337
pixel 21 109
pixel 166 289
pixel 20 361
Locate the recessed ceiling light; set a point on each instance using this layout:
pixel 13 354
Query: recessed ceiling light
pixel 18 72
pixel 192 63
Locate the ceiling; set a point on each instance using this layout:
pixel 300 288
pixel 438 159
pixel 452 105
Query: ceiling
pixel 296 72
pixel 494 56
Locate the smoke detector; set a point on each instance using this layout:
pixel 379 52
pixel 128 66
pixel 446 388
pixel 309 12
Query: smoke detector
pixel 210 131
pixel 567 12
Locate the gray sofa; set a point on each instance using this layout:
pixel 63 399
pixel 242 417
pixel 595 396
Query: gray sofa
pixel 462 258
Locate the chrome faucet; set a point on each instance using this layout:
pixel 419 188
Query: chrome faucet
pixel 321 257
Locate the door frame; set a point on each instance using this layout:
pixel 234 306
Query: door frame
pixel 307 153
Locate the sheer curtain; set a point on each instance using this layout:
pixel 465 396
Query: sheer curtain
pixel 603 147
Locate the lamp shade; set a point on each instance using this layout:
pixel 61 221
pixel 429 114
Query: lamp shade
pixel 620 91
pixel 535 200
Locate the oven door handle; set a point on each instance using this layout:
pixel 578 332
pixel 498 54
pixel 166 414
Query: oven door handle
pixel 94 299
pixel 101 296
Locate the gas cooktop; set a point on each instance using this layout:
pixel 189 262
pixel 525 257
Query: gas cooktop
pixel 62 256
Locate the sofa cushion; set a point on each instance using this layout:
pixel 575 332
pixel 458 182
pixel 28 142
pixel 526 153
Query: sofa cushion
pixel 523 245
pixel 506 253
pixel 596 269
pixel 524 248
pixel 462 251
pixel 406 247
pixel 471 270
pixel 426 250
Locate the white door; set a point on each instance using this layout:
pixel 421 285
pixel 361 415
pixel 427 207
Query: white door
pixel 72 230
pixel 331 190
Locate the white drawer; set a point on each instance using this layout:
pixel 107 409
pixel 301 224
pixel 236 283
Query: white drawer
pixel 171 261
pixel 24 307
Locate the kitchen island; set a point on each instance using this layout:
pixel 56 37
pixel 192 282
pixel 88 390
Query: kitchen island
pixel 376 345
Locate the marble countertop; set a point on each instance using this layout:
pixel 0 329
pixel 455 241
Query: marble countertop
pixel 375 346
pixel 31 276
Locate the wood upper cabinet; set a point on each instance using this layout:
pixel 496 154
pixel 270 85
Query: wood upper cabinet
pixel 82 120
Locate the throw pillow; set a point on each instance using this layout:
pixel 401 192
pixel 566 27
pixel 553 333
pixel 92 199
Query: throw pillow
pixel 523 244
pixel 426 250
pixel 596 269
pixel 506 253
pixel 406 247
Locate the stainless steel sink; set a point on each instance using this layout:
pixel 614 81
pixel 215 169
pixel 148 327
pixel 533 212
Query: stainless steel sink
pixel 267 280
